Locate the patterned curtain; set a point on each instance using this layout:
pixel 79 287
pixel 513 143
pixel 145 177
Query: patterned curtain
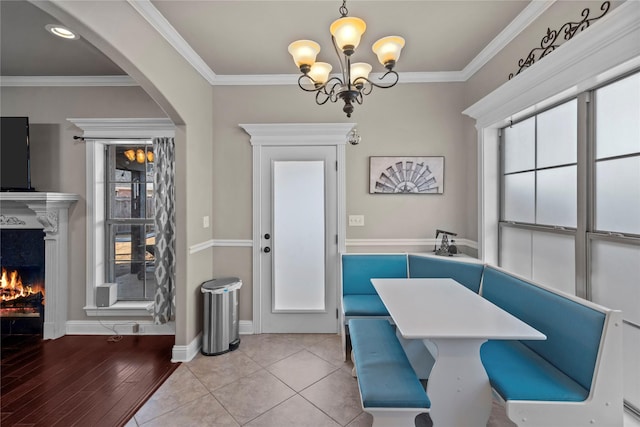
pixel 165 223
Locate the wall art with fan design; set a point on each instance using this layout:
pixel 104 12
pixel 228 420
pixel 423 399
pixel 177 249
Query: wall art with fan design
pixel 406 175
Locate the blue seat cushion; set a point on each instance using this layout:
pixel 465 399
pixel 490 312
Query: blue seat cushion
pixel 518 373
pixel 359 269
pixel 467 273
pixel 573 330
pixel 363 305
pixel 385 376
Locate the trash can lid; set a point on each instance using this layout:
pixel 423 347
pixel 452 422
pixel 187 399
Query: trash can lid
pixel 223 284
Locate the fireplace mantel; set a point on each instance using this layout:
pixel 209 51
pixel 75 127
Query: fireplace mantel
pixel 50 212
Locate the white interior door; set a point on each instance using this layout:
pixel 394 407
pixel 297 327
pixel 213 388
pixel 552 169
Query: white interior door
pixel 298 229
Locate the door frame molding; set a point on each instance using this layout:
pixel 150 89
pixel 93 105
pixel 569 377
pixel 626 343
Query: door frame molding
pixel 293 134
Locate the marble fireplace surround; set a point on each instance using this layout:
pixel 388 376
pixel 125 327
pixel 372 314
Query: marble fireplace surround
pixel 49 212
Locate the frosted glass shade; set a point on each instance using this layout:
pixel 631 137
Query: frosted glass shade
pixel 304 52
pixel 320 72
pixel 347 32
pixel 388 49
pixel 360 70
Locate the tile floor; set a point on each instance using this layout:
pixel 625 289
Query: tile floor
pixel 297 380
pixel 283 380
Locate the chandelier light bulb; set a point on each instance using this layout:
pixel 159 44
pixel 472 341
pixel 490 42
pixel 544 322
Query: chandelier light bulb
pixel 150 156
pixel 347 32
pixel 304 53
pixel 388 50
pixel 360 70
pixel 320 72
pixel 140 156
pixel 130 155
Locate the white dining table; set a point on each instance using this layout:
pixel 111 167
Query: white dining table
pixel 456 321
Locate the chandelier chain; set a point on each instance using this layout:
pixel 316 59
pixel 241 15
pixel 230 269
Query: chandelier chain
pixel 343 9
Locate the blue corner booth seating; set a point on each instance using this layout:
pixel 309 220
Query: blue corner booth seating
pixel 573 378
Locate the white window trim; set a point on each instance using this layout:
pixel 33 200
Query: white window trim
pixel 606 50
pixel 97 133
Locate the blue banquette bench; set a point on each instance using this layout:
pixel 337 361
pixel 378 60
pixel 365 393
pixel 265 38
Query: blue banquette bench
pixel 359 298
pixel 574 378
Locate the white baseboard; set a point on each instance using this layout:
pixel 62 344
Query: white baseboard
pixel 122 327
pixel 185 353
pixel 245 327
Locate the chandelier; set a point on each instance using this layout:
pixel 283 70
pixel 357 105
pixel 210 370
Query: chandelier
pixel 139 155
pixel 353 83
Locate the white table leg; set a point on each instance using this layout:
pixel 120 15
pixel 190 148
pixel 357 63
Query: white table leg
pixel 458 386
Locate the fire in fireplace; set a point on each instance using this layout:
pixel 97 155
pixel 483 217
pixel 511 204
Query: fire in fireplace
pixel 22 288
pixel 17 295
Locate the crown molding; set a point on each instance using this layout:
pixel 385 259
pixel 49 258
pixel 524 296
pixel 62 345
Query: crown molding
pixel 292 79
pixel 34 81
pixel 153 16
pixel 588 59
pixel 528 15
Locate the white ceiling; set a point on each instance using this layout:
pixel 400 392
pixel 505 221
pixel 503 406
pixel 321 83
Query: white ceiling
pixel 242 37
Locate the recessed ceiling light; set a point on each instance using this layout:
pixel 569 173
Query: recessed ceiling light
pixel 61 31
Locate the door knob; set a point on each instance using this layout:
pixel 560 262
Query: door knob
pixel 267 236
pixel 267 250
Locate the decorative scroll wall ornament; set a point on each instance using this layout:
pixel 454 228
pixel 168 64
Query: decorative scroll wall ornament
pixel 11 220
pixel 552 39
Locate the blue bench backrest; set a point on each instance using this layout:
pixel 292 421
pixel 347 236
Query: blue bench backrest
pixel 573 330
pixel 466 273
pixel 358 270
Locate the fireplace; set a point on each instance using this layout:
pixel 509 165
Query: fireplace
pixel 34 249
pixel 22 289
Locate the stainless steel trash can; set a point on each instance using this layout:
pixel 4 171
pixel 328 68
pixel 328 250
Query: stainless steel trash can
pixel 221 327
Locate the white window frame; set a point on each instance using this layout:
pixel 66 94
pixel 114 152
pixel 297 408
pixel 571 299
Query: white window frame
pixel 97 133
pixel 608 50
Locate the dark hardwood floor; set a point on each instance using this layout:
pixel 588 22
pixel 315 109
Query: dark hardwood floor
pixel 80 380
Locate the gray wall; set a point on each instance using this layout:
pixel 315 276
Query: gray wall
pixel 410 119
pixel 407 120
pixel 58 161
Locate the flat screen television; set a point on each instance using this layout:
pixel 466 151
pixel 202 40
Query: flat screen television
pixel 15 166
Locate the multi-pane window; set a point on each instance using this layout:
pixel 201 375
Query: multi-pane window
pixel 540 168
pixel 614 238
pixel 539 187
pixel 591 248
pixel 130 236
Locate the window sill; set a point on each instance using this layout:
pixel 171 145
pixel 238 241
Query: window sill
pixel 123 308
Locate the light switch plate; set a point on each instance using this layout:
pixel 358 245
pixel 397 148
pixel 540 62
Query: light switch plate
pixel 356 220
